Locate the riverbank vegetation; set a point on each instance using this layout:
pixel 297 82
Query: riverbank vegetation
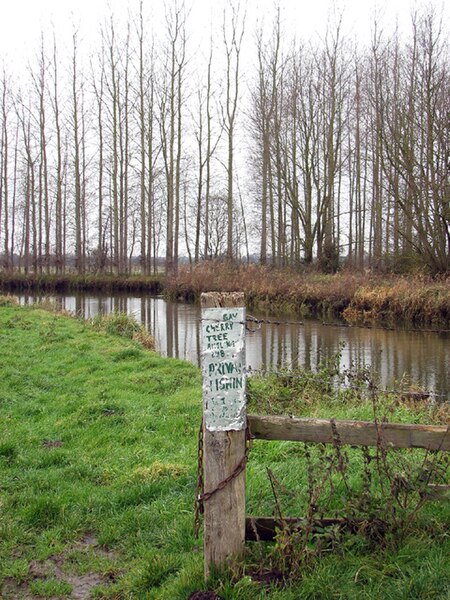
pixel 98 457
pixel 357 297
pixel 70 282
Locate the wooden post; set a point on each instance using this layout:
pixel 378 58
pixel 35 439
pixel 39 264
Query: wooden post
pixel 224 424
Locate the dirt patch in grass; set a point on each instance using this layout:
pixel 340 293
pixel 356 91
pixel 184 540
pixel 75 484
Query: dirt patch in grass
pixel 53 573
pixel 83 584
pixel 52 443
pixel 12 590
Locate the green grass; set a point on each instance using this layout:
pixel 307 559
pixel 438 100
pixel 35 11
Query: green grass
pixel 98 457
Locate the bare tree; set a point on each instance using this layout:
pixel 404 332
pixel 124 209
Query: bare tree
pixel 233 33
pixel 415 112
pixel 170 120
pixel 4 173
pixel 262 120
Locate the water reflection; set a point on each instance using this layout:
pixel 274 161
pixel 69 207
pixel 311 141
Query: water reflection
pixel 421 357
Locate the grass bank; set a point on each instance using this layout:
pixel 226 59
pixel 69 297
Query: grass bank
pixel 97 455
pixel 359 298
pixel 98 473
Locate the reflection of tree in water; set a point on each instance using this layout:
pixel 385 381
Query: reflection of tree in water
pixel 80 306
pixel 173 348
pixel 391 355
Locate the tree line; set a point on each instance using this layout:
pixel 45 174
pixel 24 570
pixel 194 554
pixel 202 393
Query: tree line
pixel 148 150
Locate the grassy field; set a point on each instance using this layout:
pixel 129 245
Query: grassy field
pixel 98 458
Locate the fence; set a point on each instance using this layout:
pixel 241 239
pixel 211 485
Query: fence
pixel 352 433
pixel 226 430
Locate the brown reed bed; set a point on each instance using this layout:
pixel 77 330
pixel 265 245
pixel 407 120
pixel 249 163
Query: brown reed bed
pixel 419 301
pixel 265 288
pixel 360 298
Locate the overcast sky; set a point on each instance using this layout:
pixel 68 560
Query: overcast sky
pixel 22 20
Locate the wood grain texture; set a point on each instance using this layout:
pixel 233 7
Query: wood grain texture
pixel 222 299
pixel 354 433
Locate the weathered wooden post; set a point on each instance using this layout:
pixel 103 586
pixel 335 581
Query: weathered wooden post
pixel 224 426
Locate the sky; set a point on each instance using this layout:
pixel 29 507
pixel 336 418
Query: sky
pixel 21 21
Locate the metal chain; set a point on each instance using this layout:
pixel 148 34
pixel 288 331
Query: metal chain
pixel 259 322
pixel 199 509
pixel 201 496
pixel 252 319
pixel 255 321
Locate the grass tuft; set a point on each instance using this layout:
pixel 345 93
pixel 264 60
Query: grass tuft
pixel 43 512
pixel 50 588
pixel 158 470
pixel 8 452
pixel 124 325
pixel 418 301
pixel 8 300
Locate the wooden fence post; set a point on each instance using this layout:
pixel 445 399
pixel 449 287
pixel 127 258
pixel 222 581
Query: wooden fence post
pixel 224 426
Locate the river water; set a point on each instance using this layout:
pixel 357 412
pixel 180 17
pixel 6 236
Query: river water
pixel 420 357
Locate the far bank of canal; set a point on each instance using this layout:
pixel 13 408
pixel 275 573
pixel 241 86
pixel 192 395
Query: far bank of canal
pixel 413 357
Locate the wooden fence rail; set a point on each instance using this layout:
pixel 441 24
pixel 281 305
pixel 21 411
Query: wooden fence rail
pixel 353 433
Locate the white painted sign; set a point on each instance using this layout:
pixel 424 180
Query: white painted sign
pixel 223 368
